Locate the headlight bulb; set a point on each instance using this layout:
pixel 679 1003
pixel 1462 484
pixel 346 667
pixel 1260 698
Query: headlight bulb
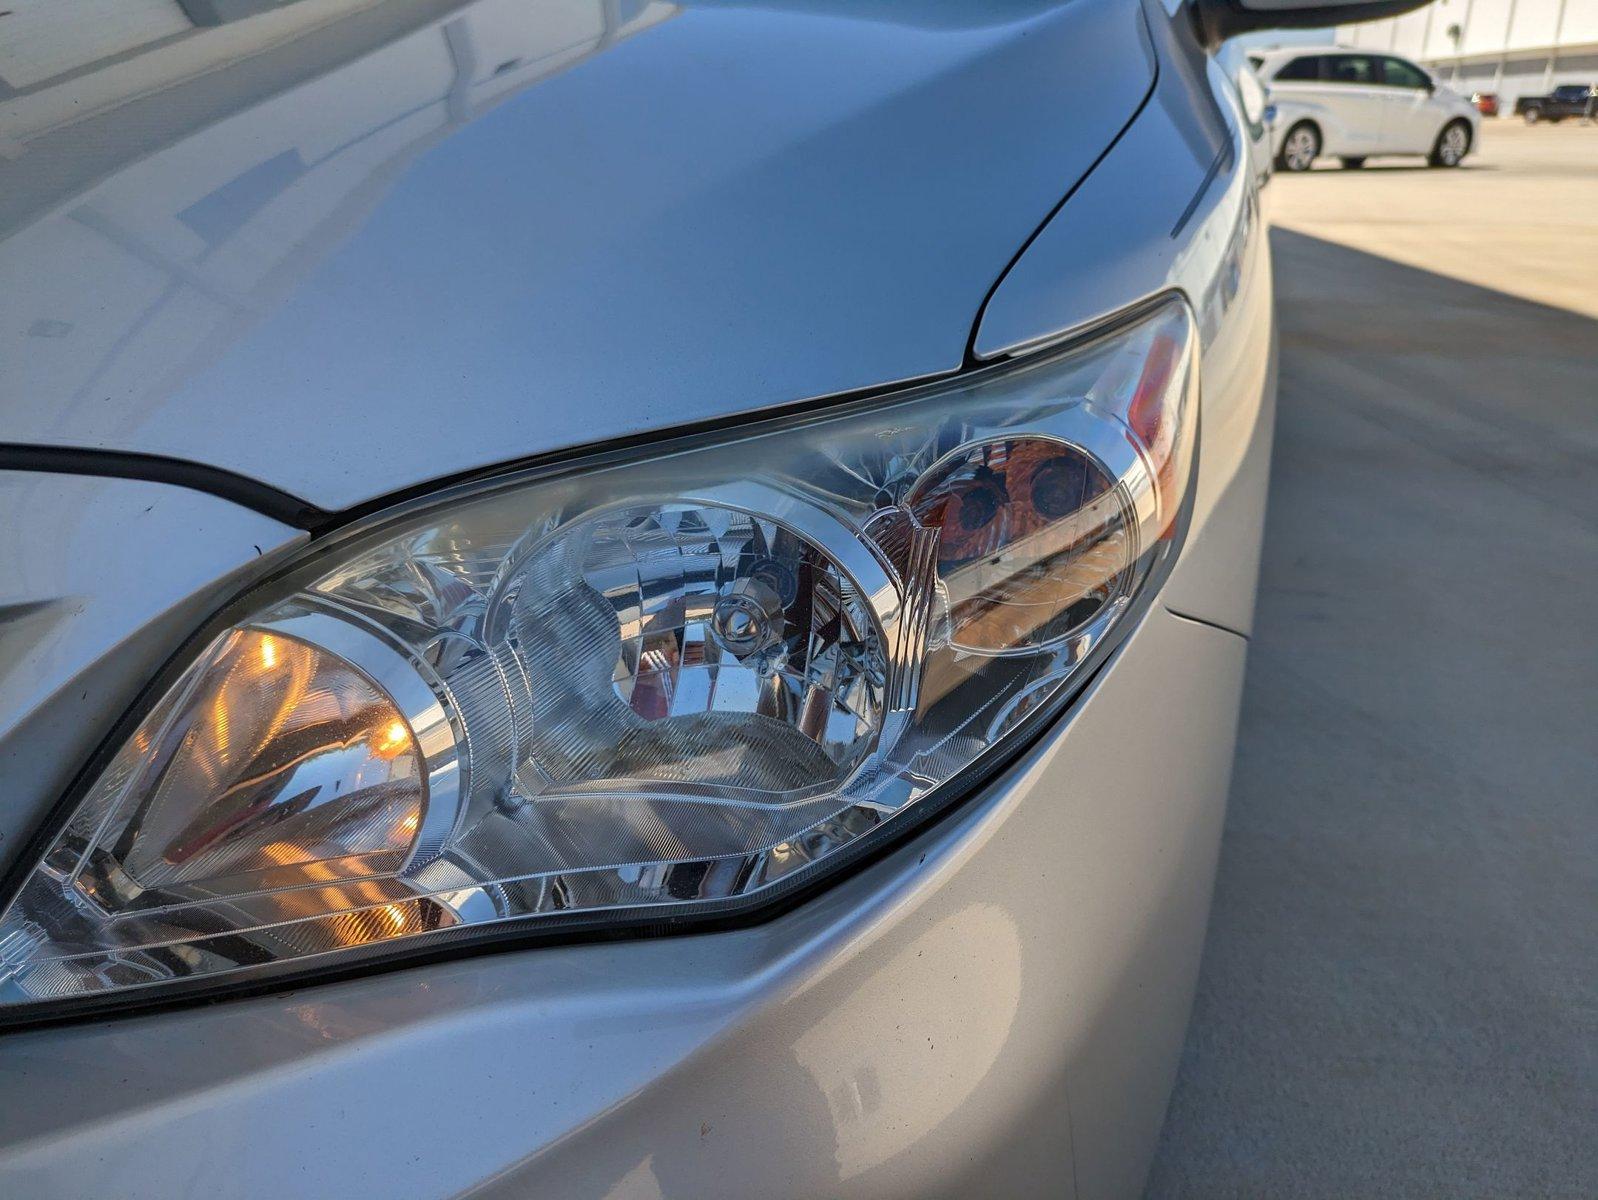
pixel 696 643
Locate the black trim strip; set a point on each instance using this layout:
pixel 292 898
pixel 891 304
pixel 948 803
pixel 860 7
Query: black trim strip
pixel 632 445
pixel 1207 623
pixel 157 468
pixel 1224 158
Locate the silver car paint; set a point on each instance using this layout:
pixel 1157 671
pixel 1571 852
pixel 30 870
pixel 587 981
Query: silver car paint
pixel 994 1009
pixel 953 1021
pixel 518 229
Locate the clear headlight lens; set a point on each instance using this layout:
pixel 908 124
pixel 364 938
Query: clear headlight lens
pixel 646 689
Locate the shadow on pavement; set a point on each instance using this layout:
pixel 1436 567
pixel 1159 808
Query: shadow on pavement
pixel 1378 165
pixel 1399 994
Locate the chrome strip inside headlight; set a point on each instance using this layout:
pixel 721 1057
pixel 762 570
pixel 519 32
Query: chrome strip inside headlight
pixel 678 685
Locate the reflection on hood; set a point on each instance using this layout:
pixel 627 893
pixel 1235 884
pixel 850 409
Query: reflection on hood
pixel 199 158
pixel 345 247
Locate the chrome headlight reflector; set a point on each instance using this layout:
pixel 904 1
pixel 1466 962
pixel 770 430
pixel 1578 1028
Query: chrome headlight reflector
pixel 624 691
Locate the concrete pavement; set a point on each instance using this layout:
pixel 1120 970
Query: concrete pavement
pixel 1518 216
pixel 1399 995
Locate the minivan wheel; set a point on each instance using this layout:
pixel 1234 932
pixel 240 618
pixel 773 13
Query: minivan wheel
pixel 1453 143
pixel 1300 148
pixel 1352 164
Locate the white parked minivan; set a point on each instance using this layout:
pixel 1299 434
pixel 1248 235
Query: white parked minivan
pixel 1353 105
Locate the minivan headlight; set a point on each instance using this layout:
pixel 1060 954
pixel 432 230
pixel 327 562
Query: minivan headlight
pixel 632 690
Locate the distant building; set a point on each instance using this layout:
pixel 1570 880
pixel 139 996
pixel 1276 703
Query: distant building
pixel 1512 47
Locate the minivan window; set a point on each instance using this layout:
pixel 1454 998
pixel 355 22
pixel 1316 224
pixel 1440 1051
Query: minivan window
pixel 1301 69
pixel 1398 73
pixel 1352 69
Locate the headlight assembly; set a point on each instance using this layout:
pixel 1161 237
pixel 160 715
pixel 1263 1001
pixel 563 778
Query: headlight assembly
pixel 623 692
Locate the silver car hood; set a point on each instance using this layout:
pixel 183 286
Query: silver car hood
pixel 344 247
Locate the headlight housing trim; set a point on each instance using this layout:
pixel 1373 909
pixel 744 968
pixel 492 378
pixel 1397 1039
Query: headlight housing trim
pixel 735 911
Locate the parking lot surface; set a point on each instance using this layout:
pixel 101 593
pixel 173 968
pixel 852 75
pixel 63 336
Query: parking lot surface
pixel 1399 994
pixel 1518 217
